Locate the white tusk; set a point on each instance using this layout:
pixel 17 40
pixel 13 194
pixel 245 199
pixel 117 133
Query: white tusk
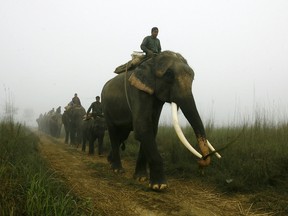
pixel 212 149
pixel 180 133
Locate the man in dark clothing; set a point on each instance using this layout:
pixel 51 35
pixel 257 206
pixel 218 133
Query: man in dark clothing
pixel 76 100
pixel 96 108
pixel 151 44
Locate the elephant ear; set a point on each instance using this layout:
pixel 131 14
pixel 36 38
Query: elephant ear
pixel 163 63
pixel 166 60
pixel 142 78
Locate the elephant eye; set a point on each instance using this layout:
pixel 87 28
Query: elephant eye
pixel 169 75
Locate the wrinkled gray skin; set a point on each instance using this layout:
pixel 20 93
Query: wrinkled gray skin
pixel 166 77
pixel 75 115
pixel 94 129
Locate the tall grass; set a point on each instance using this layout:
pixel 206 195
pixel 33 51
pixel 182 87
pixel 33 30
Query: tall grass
pixel 257 156
pixel 28 187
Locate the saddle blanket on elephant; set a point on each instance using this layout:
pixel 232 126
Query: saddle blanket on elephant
pixel 137 59
pixel 74 107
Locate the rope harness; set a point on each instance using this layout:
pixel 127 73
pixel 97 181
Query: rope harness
pixel 125 86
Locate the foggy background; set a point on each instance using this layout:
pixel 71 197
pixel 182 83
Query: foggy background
pixel 50 50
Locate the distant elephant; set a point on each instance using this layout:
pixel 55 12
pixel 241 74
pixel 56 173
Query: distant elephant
pixel 55 123
pixel 133 100
pixel 93 129
pixel 75 114
pixel 66 123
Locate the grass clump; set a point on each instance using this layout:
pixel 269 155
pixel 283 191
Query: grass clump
pixel 28 187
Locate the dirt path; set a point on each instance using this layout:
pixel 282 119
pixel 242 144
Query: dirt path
pixel 112 194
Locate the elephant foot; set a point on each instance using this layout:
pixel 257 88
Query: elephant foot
pixel 159 184
pixel 141 177
pixel 117 168
pixel 119 171
pixel 158 187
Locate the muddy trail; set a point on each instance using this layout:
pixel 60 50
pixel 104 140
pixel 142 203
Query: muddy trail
pixel 90 177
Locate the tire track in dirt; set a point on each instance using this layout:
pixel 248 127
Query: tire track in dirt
pixel 111 194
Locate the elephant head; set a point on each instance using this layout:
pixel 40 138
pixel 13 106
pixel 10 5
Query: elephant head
pixel 133 101
pixel 169 77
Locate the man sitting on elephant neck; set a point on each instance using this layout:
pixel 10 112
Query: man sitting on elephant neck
pixel 151 44
pixel 76 101
pixel 96 108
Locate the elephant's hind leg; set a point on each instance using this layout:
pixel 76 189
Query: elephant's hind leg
pixel 141 173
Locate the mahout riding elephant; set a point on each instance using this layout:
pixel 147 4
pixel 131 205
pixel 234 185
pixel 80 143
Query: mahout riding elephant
pixel 133 100
pixel 94 129
pixel 75 114
pixel 66 123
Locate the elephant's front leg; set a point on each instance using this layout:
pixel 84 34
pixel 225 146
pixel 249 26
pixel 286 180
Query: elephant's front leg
pixel 149 149
pixel 100 143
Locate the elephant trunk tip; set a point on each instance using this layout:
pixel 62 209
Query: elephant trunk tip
pixel 204 162
pixel 206 159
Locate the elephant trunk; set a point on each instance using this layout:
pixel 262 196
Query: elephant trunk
pixel 190 111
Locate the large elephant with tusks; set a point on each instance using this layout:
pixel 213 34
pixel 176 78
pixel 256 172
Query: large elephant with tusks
pixel 133 100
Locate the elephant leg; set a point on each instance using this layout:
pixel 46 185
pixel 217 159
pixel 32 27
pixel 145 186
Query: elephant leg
pixel 72 137
pixel 117 136
pixel 155 161
pixel 91 146
pixel 67 136
pixel 100 144
pixel 141 173
pixel 84 143
pixel 150 151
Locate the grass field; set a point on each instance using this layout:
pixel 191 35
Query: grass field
pixel 256 162
pixel 28 186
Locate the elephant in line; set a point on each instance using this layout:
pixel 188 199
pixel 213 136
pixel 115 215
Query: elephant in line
pixel 75 116
pixel 94 129
pixel 55 124
pixel 66 122
pixel 133 100
pixel 51 122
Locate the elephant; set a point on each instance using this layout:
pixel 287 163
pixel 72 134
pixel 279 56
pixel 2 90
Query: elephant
pixel 55 123
pixel 75 115
pixel 93 129
pixel 40 122
pixel 66 123
pixel 133 101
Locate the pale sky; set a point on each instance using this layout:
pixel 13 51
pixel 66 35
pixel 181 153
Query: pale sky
pixel 50 50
